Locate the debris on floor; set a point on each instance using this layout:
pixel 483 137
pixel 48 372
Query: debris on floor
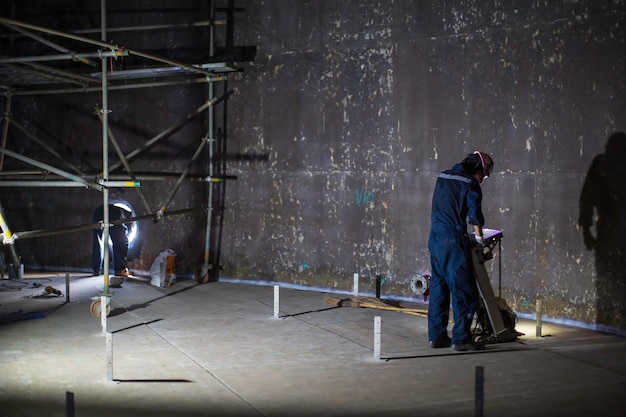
pixel 52 291
pixel 370 302
pixel 48 292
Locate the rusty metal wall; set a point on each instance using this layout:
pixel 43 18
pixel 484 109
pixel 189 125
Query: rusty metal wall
pixel 337 131
pixel 358 105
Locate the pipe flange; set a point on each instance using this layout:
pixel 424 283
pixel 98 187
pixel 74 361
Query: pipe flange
pixel 420 284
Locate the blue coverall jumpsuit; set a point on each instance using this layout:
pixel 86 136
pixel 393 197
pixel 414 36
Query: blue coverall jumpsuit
pixel 457 199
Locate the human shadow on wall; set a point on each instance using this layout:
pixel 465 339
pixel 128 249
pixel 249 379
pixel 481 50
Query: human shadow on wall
pixel 603 222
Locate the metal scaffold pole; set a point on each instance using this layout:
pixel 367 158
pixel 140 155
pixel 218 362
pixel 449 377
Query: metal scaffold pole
pixel 9 239
pixel 105 152
pixel 203 274
pixel 69 173
pixel 5 130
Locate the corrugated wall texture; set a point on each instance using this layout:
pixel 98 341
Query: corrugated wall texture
pixel 358 105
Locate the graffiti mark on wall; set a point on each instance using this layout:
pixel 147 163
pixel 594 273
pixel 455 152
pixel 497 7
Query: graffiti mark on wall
pixel 306 266
pixel 363 197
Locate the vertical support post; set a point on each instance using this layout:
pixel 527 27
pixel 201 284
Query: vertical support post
pixel 378 283
pixel 230 24
pixel 355 286
pixel 276 301
pixel 5 130
pixel 210 138
pixel 500 269
pixel 209 217
pixel 69 404
pixel 103 313
pixel 109 347
pixel 539 315
pixel 9 239
pixel 479 396
pixel 211 28
pixel 67 287
pixel 105 148
pixel 377 331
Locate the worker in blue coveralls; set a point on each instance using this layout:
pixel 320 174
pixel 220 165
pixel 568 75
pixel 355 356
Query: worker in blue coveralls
pixel 457 201
pixel 119 240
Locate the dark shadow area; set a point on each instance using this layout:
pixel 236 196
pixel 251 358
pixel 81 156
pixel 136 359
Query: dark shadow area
pixel 603 222
pixel 307 312
pixel 136 325
pixel 19 315
pixel 500 348
pixel 121 310
pixel 151 380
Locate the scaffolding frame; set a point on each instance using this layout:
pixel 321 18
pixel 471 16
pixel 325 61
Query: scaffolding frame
pixel 27 76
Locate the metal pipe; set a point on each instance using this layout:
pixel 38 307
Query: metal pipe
pixel 479 394
pixel 109 184
pixel 114 180
pixel 5 130
pixel 67 287
pixel 69 404
pixel 72 229
pixel 67 74
pixel 47 42
pixel 120 184
pixel 109 346
pixel 52 169
pixel 111 87
pixel 276 301
pixel 539 316
pixel 63 57
pixel 222 148
pixel 170 62
pixel 69 184
pixel 176 187
pixel 162 135
pixel 140 28
pixel 165 71
pixel 23 172
pixel 120 154
pixel 211 29
pixel 44 73
pixel 105 154
pixel 51 184
pixel 50 73
pixel 500 269
pixel 103 44
pixel 8 238
pixel 59 231
pixel 209 216
pixel 46 147
pixel 377 337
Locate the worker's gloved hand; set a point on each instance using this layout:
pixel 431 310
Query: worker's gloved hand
pixel 480 241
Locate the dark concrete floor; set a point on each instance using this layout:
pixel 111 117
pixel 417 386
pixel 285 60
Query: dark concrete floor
pixel 218 350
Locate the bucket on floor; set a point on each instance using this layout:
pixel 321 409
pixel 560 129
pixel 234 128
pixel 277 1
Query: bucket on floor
pixel 16 274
